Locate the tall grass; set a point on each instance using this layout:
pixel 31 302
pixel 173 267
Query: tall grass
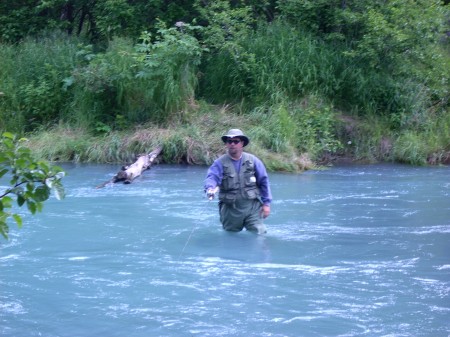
pixel 373 138
pixel 429 146
pixel 9 119
pixel 287 61
pixel 278 60
pixel 293 127
pixel 31 81
pixel 61 143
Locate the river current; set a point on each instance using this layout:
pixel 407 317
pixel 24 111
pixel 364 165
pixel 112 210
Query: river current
pixel 350 251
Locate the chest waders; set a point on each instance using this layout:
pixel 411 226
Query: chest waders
pixel 239 197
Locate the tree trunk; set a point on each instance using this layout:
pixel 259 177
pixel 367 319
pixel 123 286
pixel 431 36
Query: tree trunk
pixel 131 172
pixel 67 14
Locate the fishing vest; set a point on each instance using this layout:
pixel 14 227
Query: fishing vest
pixel 240 185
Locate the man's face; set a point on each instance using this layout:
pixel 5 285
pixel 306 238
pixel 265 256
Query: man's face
pixel 234 146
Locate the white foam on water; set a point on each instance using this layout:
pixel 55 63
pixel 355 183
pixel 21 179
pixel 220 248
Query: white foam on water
pixel 432 230
pixel 10 257
pixel 439 309
pixel 443 267
pixel 304 268
pixel 299 318
pixel 13 307
pixel 173 284
pixel 79 258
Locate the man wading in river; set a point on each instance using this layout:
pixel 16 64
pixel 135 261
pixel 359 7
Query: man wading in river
pixel 244 190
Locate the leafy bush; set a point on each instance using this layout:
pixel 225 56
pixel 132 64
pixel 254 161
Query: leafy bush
pixel 169 65
pixel 31 181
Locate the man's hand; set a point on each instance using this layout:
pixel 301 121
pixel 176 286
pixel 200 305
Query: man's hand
pixel 210 193
pixel 265 211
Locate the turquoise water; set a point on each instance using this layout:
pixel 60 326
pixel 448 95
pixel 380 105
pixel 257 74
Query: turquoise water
pixel 350 251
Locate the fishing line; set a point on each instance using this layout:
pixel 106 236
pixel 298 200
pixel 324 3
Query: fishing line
pixel 204 212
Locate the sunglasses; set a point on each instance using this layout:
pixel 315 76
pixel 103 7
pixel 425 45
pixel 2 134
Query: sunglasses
pixel 233 141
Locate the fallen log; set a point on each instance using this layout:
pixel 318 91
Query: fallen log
pixel 128 173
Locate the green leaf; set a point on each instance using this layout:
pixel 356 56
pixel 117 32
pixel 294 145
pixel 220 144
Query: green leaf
pixel 3 172
pixel 41 193
pixel 18 220
pixel 8 143
pixel 20 200
pixel 44 166
pixel 8 135
pixel 4 159
pixel 4 229
pixel 39 206
pixel 7 202
pixel 31 205
pixel 22 163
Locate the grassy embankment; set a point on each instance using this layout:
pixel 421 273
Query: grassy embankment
pixel 303 104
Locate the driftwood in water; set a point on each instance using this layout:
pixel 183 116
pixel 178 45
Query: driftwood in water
pixel 131 172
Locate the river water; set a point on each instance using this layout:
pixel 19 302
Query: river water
pixel 350 251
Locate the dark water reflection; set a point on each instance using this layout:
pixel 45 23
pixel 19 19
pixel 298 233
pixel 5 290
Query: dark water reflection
pixel 351 251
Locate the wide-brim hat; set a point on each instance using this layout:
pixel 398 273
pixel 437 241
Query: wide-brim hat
pixel 236 133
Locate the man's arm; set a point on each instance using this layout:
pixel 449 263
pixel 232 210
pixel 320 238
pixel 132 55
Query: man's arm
pixel 262 180
pixel 213 177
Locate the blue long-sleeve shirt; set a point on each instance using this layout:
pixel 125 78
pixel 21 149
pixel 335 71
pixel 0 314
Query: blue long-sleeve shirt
pixel 215 174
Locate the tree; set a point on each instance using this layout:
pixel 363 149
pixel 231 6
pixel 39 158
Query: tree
pixel 31 181
pixel 381 33
pixel 98 21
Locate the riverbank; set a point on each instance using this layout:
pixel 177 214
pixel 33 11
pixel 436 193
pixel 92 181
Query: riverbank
pixel 194 139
